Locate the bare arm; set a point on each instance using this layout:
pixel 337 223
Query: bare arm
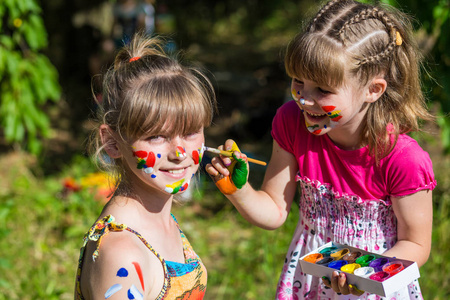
pixel 414 224
pixel 123 269
pixel 267 208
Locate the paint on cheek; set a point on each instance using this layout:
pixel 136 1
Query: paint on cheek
pixel 196 157
pixel 112 290
pixel 181 152
pixel 137 266
pixel 333 114
pixel 146 160
pixel 295 94
pixel 134 293
pixel 177 186
pixel 122 272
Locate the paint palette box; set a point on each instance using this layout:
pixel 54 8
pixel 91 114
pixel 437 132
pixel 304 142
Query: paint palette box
pixel 370 272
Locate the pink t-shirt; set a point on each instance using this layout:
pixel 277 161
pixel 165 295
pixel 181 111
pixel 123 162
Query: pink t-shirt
pixel 406 170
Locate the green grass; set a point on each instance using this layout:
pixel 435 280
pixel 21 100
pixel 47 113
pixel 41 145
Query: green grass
pixel 42 229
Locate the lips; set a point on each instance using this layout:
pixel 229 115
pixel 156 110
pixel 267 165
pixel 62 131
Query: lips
pixel 175 173
pixel 315 117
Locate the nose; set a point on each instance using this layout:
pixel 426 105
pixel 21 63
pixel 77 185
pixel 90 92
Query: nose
pixel 306 98
pixel 177 150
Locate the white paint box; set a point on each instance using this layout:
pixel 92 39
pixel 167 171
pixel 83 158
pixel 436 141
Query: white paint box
pixel 383 288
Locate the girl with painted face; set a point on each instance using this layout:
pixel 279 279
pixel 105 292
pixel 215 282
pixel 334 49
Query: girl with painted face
pixel 343 143
pixel 150 136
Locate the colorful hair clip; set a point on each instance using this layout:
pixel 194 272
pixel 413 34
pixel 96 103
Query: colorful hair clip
pixel 134 58
pixel 398 38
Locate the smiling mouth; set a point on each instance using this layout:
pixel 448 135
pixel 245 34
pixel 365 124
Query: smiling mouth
pixel 315 117
pixel 179 171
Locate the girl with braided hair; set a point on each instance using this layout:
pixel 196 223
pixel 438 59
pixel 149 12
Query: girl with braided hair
pixel 343 141
pixel 150 135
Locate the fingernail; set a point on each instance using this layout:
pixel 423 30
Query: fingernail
pixel 342 275
pixel 325 278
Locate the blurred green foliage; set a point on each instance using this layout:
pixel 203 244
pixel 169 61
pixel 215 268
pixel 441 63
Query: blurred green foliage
pixel 27 77
pixel 43 225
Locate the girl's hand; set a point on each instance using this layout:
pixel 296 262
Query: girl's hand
pixel 339 284
pixel 229 173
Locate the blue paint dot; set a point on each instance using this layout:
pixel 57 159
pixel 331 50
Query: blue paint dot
pixel 158 155
pixel 130 294
pixel 324 126
pixel 153 176
pixel 122 272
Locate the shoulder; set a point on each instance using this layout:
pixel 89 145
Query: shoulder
pixel 408 153
pixel 124 266
pixel 408 168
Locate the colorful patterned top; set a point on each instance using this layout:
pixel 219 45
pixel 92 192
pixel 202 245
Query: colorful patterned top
pixel 345 198
pixel 181 280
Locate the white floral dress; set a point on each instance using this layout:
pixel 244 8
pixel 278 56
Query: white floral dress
pixel 328 216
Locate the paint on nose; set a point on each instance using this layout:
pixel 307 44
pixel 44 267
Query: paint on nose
pixel 181 152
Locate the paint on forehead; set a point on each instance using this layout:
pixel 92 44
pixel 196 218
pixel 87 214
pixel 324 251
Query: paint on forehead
pixel 177 186
pixel 146 160
pixel 181 152
pixel 112 290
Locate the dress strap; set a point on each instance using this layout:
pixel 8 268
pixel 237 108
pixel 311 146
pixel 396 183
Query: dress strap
pixel 108 224
pixel 99 230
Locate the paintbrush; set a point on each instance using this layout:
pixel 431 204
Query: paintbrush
pixel 230 153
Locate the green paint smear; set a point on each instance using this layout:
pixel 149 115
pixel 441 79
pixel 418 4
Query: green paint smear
pixel 240 172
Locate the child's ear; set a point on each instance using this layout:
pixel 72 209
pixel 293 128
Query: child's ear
pixel 376 89
pixel 109 141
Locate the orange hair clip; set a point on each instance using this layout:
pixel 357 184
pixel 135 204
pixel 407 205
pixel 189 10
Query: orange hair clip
pixel 134 58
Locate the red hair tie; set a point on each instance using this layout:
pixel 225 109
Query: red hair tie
pixel 134 58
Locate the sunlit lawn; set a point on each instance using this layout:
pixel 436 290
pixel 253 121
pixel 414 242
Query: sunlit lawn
pixel 41 231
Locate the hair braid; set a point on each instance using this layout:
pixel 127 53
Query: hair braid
pixel 321 12
pixel 373 13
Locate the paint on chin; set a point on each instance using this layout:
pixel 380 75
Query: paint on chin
pixel 177 186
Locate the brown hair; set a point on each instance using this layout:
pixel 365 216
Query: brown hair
pixel 145 88
pixel 362 40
